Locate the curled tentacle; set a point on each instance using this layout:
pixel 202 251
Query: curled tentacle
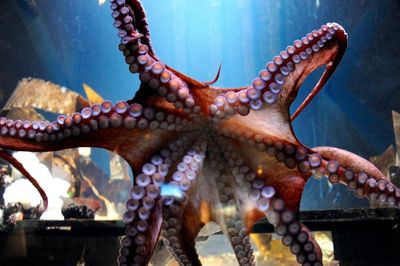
pixel 139 21
pixel 280 80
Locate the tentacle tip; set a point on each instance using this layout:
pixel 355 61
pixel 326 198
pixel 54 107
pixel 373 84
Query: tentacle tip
pixel 43 206
pixel 216 76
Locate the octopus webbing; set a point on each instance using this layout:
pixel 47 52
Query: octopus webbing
pixel 201 153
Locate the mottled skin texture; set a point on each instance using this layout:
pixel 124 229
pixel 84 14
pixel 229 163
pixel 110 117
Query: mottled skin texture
pixel 231 151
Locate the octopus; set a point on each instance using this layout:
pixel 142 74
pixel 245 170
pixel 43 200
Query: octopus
pixel 201 153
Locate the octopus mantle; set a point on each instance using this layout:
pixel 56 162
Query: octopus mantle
pixel 201 153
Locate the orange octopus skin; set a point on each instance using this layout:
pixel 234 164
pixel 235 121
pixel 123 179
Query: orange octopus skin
pixel 203 153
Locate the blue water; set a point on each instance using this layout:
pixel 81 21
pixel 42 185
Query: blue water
pixel 71 42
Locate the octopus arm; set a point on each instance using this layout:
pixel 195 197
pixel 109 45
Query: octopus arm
pixel 251 184
pixel 357 173
pixel 5 155
pixel 271 198
pixel 348 159
pixel 160 79
pixel 275 168
pixel 184 216
pixel 323 47
pixel 279 82
pixel 164 181
pixel 182 223
pixel 139 243
pixel 131 131
pixel 139 21
pixel 228 211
